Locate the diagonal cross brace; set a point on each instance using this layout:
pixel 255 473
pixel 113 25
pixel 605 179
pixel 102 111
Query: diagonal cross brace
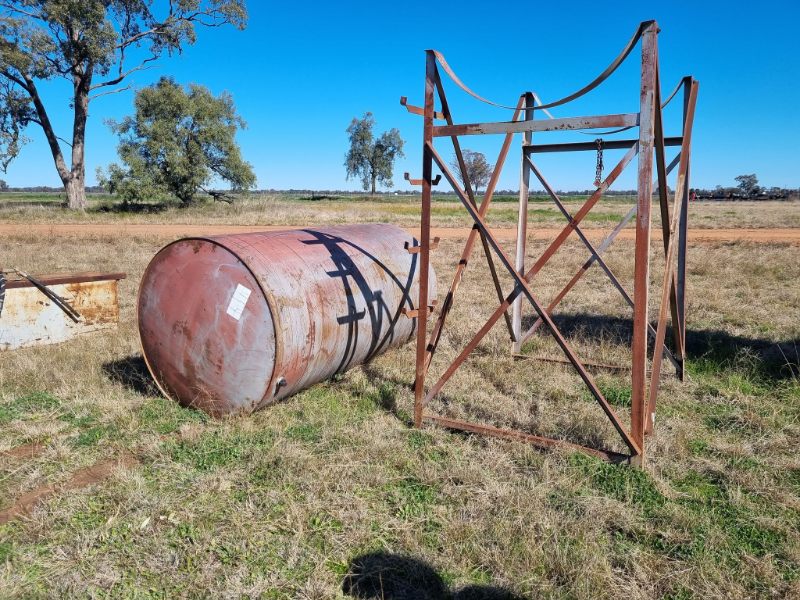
pixel 669 267
pixel 535 269
pixel 597 256
pixel 593 199
pixel 467 252
pixel 631 213
pixel 523 287
pixel 606 243
pixel 468 187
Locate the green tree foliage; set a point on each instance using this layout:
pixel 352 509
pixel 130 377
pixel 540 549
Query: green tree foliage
pixel 177 142
pixel 369 159
pixel 95 45
pixel 15 115
pixel 747 183
pixel 478 170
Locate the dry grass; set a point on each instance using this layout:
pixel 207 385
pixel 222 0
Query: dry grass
pixel 314 497
pixel 403 211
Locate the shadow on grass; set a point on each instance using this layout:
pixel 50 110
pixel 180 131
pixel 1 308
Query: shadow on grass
pixel 57 203
pixel 385 397
pixel 132 373
pixel 135 208
pixel 384 576
pixel 319 198
pixel 715 350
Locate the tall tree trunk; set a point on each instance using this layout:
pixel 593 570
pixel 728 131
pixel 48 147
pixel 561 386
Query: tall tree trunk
pixel 47 127
pixel 76 187
pixel 373 185
pixel 76 192
pixel 74 179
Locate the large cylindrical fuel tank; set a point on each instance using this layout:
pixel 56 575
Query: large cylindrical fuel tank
pixel 231 323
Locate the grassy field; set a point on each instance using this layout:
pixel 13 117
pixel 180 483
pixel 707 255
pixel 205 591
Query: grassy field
pixel 331 494
pixel 286 209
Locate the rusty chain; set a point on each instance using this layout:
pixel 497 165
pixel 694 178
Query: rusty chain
pixel 599 171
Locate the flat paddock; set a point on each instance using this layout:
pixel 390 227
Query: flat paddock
pixel 288 502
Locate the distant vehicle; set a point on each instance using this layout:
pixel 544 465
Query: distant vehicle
pixel 724 195
pixel 761 195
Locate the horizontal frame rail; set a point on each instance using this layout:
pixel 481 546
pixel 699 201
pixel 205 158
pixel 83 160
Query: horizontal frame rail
pixel 592 146
pixel 565 124
pixel 536 440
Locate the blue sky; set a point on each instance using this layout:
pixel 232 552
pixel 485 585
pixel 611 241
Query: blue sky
pixel 302 71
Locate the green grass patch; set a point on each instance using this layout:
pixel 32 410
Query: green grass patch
pixel 411 498
pixel 712 507
pixel 697 446
pixel 28 406
pixel 726 369
pixel 725 418
pixel 91 517
pixel 616 393
pixel 304 432
pixel 91 436
pixel 164 416
pixel 541 214
pixel 634 486
pixel 418 439
pixel 793 478
pixel 382 396
pixel 6 552
pixel 604 217
pixel 219 448
pixel 744 463
pixel 680 592
pixel 79 420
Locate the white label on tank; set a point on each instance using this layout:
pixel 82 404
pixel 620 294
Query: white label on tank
pixel 238 301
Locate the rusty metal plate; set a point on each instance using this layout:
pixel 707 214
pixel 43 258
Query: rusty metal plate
pixel 30 318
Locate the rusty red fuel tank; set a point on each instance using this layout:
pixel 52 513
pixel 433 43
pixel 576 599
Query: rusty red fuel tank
pixel 231 323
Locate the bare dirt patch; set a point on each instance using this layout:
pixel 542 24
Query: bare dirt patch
pixel 85 477
pixel 25 451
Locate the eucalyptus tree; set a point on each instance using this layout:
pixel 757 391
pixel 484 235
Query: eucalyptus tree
pixel 178 141
pixel 96 45
pixel 370 159
pixel 479 171
pixel 747 183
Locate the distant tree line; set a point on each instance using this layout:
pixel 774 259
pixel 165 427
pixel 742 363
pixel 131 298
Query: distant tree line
pixel 746 188
pixel 44 189
pixel 717 193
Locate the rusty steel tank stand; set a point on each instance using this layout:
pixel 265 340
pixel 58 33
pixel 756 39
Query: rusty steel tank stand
pixel 651 139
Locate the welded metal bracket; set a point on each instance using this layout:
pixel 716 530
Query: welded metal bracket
pixel 415 249
pixel 418 110
pixel 414 313
pixel 434 181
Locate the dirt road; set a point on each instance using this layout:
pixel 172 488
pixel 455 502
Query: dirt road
pixel 790 235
